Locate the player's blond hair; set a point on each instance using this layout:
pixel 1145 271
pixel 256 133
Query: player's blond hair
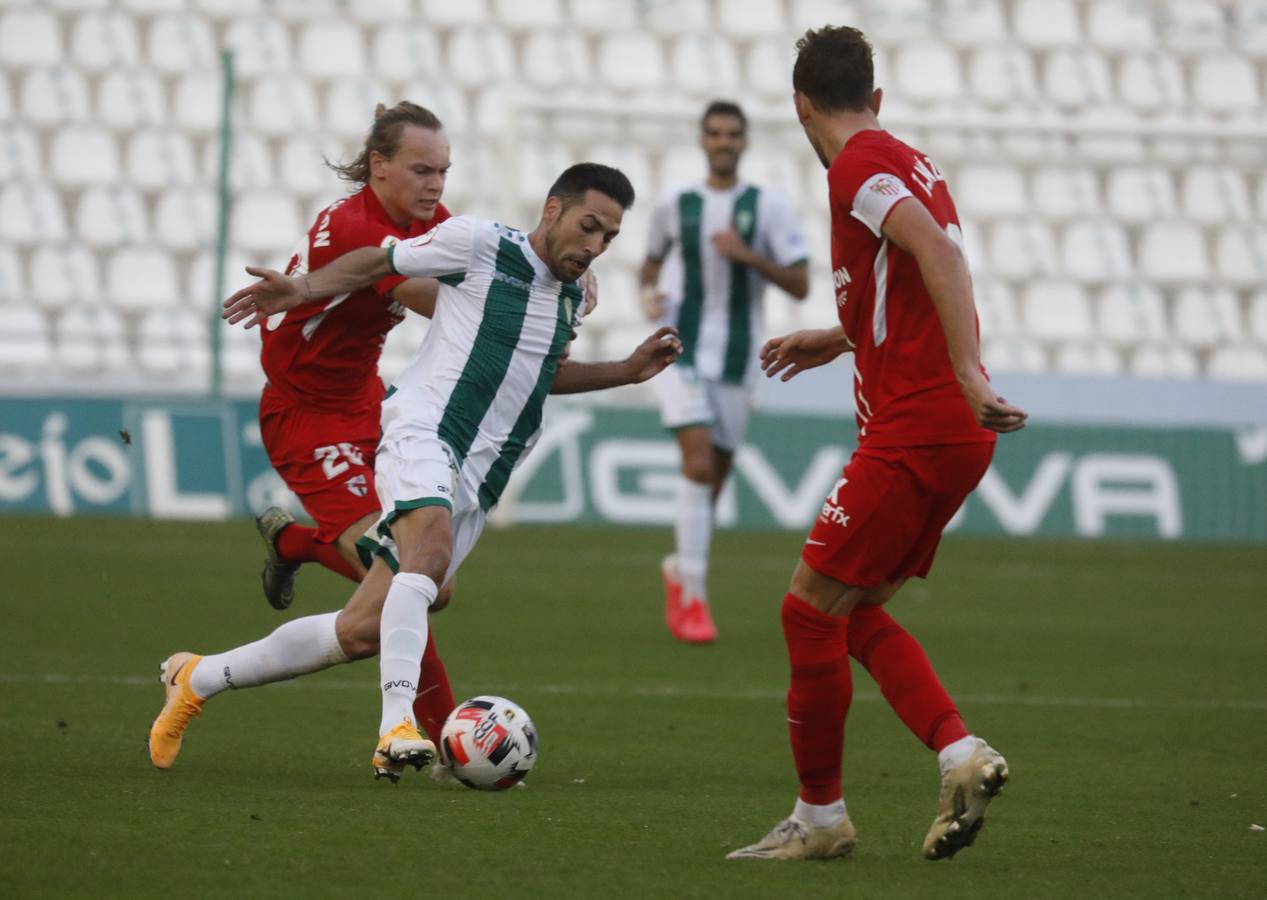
pixel 384 137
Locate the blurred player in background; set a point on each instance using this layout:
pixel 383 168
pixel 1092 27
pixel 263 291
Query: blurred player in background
pixel 466 410
pixel 713 248
pixel 320 408
pixel 927 418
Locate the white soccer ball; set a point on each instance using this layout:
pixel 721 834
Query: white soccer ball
pixel 489 743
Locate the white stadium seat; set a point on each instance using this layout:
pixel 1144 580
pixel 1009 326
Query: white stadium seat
pixel 1192 25
pixel 12 284
pixel 304 170
pixel 128 98
pixel 90 339
pixel 82 155
pixel 1131 313
pixel 631 61
pixel 1046 23
pixel 996 309
pixel 774 169
pixel 808 14
pixel 141 278
pixel 282 105
pixel 1204 317
pixel 1240 255
pixel 1249 28
pixel 20 156
pixel 1150 81
pixel 24 340
pixel 331 50
pixel 259 44
pixel 1257 317
pixel 1172 361
pixel 675 18
pixel 350 104
pixel 1087 358
pixel 745 19
pixel 265 221
pixel 448 13
pixel 250 162
pixel 520 16
pixel 67 275
pixel 602 15
pixel 928 73
pixel 1019 355
pixel 1062 194
pixel 443 99
pixel 634 162
pixel 1226 83
pixel 148 6
pixel 375 12
pixel 553 59
pixel 173 342
pixel 101 41
pixel 767 68
pixel 1237 362
pixel 478 57
pixel 973 22
pixel 180 43
pixel 199 286
pixel 989 191
pixel 1114 25
pixel 537 167
pixel 1096 250
pixel 404 52
pixel 1003 75
pixel 185 218
pixel 898 22
pixel 1022 249
pixel 1173 252
pixel 29 37
pixel 1138 194
pixel 160 158
pixel 1214 195
pixel 53 96
pixel 6 98
pixel 230 9
pixel 110 215
pixel 198 103
pixel 704 63
pixel 31 213
pixel 1056 311
pixel 1074 79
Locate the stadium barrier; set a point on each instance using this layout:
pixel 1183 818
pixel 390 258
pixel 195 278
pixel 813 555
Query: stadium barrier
pixel 202 459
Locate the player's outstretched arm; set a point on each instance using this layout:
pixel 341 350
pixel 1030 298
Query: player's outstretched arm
pixel 275 292
pixel 793 353
pixel 941 264
pixel 649 359
pixel 418 295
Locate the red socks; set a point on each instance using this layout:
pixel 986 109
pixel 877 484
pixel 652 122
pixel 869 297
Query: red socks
pixel 435 697
pixel 298 544
pixel 818 698
pixel 906 678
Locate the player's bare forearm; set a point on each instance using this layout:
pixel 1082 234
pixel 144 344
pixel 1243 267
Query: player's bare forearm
pixel 649 296
pixel 649 274
pixel 793 279
pixel 791 354
pixel 652 356
pixel 418 295
pixel 351 271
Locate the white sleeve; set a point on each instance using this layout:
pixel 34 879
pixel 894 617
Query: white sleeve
pixel 876 199
pixel 784 237
pixel 661 237
pixel 444 250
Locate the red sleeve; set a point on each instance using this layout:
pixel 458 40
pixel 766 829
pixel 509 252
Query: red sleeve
pixel 385 286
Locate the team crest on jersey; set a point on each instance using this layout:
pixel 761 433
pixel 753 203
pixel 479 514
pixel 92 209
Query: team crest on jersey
pixel 743 221
pixel 423 239
pixel 887 187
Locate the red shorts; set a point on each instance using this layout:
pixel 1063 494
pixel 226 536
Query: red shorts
pixel 327 459
pixel 884 518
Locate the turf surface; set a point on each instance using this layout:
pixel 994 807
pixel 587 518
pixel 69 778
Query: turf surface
pixel 1126 683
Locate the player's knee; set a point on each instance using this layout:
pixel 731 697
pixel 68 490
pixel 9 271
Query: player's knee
pixel 443 597
pixel 699 470
pixel 357 634
pixel 432 561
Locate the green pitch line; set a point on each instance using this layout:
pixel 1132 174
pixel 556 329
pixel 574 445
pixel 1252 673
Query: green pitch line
pixel 1123 681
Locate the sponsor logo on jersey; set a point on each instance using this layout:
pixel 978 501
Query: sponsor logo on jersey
pixel 322 237
pixel 840 280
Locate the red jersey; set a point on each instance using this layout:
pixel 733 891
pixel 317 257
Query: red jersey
pixel 904 385
pixel 324 356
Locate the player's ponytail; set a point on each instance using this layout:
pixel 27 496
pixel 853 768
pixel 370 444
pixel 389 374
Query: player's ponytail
pixel 384 137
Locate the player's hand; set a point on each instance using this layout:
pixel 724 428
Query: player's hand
pixel 653 355
pixel 652 302
pixel 589 290
pixel 730 245
pixel 793 353
pixel 273 293
pixel 991 410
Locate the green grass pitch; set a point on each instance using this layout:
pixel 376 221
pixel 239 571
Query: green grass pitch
pixel 1126 683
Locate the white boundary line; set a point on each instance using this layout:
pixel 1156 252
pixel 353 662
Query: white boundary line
pixel 668 690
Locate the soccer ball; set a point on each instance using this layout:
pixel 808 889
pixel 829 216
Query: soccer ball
pixel 489 743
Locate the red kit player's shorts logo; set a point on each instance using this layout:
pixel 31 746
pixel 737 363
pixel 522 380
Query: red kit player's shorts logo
pixel 358 486
pixel 832 511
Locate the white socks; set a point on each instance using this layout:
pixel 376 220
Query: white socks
pixel 693 528
pixel 296 648
pixel 403 638
pixel 957 753
pixel 826 816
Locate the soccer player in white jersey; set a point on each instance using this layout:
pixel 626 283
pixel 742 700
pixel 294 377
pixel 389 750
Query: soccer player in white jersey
pixel 460 417
pixel 714 247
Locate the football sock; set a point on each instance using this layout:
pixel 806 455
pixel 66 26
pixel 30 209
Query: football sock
pixel 296 648
pixel 435 696
pixel 818 698
pixel 298 544
pixel 819 816
pixel 693 528
pixel 403 630
pixel 906 678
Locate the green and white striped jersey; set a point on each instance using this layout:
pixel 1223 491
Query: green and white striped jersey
pixel 716 304
pixel 482 374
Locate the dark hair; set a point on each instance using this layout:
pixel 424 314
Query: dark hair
pixel 834 68
pixel 384 137
pixel 570 187
pixel 724 108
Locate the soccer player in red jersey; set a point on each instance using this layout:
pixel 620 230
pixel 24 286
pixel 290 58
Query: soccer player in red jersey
pixel 319 411
pixel 927 418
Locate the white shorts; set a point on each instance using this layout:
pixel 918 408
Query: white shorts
pixel 686 399
pixel 413 470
